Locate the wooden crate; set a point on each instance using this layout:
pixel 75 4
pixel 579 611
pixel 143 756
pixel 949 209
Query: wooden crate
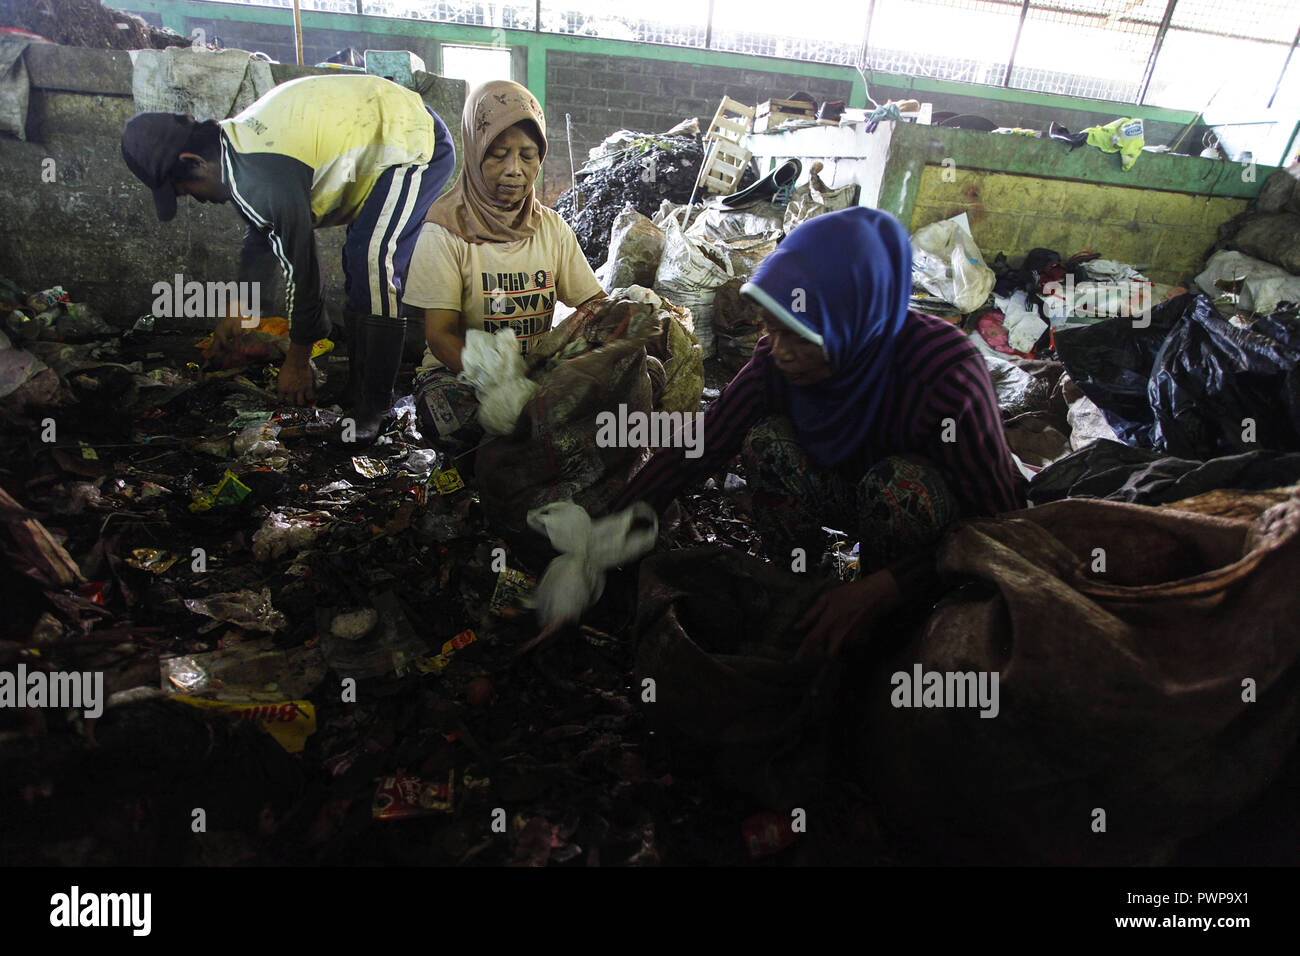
pixel 772 113
pixel 725 159
pixel 731 122
pixel 723 167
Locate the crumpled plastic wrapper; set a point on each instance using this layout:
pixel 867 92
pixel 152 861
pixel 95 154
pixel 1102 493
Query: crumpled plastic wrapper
pixel 281 534
pixel 251 610
pixel 575 580
pixel 496 369
pixel 258 441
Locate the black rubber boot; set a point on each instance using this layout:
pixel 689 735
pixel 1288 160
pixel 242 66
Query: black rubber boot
pixel 380 343
pixel 352 329
pixel 775 186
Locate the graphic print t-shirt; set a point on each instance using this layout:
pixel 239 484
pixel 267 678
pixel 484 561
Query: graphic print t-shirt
pixel 498 285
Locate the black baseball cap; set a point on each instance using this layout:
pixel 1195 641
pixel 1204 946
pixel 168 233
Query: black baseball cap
pixel 151 144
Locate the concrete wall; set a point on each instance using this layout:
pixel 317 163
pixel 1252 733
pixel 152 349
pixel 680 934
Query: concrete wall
pixel 93 230
pixel 603 93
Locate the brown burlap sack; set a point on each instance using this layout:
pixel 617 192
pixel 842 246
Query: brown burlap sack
pixel 715 631
pixel 582 367
pixel 683 360
pixel 1121 692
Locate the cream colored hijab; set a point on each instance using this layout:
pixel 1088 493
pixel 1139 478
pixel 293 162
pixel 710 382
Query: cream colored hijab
pixel 468 209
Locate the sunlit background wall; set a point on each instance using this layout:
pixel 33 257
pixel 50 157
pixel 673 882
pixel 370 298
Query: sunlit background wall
pixel 1231 59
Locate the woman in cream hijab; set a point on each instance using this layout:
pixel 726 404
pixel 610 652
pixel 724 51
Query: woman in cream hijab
pixel 491 257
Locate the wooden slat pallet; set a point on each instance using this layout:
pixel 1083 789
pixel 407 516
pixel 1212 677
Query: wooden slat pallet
pixel 725 159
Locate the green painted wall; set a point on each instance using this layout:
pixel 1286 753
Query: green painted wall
pixel 1020 193
pixel 914 147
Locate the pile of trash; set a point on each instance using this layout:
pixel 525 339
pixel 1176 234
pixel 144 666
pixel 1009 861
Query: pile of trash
pixel 328 648
pixel 697 257
pixel 638 169
pixel 89 23
pixel 1256 264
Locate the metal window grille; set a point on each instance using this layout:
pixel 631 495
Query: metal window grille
pixel 1085 48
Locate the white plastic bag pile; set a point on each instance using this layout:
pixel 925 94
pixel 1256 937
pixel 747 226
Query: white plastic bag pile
pixel 495 367
pixel 575 580
pixel 947 263
pixel 1262 284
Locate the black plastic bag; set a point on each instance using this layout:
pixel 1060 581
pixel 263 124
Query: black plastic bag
pixel 1107 469
pixel 1111 362
pixel 1217 389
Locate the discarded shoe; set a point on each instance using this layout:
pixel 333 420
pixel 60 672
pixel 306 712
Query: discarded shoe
pixel 1065 136
pixel 776 186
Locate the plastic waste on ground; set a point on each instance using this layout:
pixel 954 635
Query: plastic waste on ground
pixel 574 581
pixel 281 534
pixel 251 610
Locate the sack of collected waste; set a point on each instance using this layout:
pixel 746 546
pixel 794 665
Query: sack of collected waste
pixel 719 222
pixel 689 277
pixel 1111 362
pixel 1273 237
pixel 678 350
pixel 635 247
pixel 1217 389
pixel 1281 191
pixel 947 263
pixel 584 366
pixel 1118 690
pixel 1254 285
pixel 715 632
pixel 738 321
pixel 1112 470
pixel 814 198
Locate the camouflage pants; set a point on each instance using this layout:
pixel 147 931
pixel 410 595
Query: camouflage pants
pixel 899 506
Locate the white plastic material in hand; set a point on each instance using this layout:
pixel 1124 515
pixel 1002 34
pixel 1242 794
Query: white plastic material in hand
pixel 493 365
pixel 575 580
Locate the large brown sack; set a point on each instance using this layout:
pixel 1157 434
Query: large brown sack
pixel 582 367
pixel 715 631
pixel 1273 237
pixel 677 348
pixel 1120 692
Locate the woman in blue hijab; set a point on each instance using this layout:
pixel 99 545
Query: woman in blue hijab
pixel 853 413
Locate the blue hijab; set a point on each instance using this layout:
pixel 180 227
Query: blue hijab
pixel 842 280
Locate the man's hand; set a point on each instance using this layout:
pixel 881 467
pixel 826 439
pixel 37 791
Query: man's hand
pixel 841 614
pixel 225 337
pixel 294 383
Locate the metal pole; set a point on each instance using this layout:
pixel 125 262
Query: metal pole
pixel 1281 76
pixel 573 173
pixel 359 10
pixel 1015 44
pixel 537 18
pixel 866 34
pixel 297 31
pixel 708 29
pixel 1155 52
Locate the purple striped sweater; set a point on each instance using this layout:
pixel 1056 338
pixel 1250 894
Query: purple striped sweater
pixel 940 405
